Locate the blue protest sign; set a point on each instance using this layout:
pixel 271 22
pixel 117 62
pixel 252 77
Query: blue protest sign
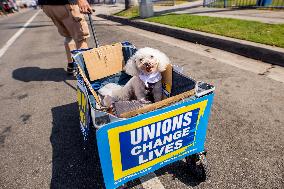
pixel 133 147
pixel 83 106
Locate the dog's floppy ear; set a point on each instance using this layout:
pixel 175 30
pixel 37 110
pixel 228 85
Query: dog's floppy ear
pixel 130 67
pixel 164 61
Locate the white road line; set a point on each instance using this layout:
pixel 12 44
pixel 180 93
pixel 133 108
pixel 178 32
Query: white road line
pixel 16 35
pixel 151 181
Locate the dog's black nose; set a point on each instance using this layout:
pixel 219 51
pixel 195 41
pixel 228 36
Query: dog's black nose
pixel 147 64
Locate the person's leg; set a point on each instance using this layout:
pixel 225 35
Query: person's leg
pixel 72 25
pixel 69 46
pixel 57 15
pixel 77 26
pixel 82 44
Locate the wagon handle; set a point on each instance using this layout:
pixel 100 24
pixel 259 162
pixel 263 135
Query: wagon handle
pixel 93 30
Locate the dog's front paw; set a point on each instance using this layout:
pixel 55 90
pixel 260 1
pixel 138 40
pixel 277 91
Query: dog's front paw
pixel 145 101
pixel 108 101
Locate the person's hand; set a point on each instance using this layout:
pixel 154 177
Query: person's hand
pixel 84 6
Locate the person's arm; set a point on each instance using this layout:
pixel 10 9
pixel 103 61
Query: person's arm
pixel 84 6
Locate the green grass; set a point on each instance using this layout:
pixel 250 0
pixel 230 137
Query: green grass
pixel 132 12
pixel 270 34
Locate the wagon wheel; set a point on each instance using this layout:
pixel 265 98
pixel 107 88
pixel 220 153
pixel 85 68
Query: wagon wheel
pixel 198 166
pixel 124 186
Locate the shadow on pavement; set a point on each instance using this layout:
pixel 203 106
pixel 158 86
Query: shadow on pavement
pixel 72 166
pixel 28 74
pixel 110 25
pixel 180 171
pixel 31 26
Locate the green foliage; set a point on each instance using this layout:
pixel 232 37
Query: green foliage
pixel 270 34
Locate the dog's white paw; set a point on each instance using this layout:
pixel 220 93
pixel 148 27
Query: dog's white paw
pixel 108 101
pixel 144 101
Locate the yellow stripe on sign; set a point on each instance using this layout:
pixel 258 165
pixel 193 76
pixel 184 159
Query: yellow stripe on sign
pixel 113 136
pixel 82 103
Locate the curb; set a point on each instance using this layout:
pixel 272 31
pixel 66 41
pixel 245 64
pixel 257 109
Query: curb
pixel 264 53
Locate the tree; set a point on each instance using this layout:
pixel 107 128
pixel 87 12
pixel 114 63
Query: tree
pixel 127 4
pixel 130 3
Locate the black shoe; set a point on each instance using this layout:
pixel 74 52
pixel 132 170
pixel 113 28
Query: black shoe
pixel 71 69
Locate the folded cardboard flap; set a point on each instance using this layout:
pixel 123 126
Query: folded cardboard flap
pixel 157 105
pixel 104 61
pixel 167 79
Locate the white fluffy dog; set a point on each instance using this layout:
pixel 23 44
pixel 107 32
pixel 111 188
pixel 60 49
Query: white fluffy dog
pixel 145 66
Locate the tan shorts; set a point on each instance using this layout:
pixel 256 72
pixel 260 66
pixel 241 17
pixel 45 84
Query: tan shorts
pixel 69 21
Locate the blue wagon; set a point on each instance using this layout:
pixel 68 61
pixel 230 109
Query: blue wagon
pixel 144 140
pixel 141 141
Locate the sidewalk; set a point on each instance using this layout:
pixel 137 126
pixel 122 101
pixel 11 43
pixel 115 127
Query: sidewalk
pixel 265 16
pixel 108 9
pixel 180 7
pixel 265 53
pixel 195 7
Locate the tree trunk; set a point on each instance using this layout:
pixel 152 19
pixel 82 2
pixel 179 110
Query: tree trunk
pixel 127 4
pixel 131 3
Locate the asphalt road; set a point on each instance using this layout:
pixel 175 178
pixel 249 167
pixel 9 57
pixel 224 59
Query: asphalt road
pixel 40 140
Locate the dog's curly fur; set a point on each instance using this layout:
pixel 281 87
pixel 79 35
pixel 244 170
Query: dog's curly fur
pixel 145 61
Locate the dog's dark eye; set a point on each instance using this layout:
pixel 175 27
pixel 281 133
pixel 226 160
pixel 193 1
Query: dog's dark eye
pixel 152 56
pixel 141 59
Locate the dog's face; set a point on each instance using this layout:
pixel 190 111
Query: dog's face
pixel 147 61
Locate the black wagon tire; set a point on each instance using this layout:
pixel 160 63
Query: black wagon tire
pixel 198 166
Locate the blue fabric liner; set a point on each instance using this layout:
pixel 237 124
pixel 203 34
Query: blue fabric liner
pixel 181 83
pixel 128 50
pixel 120 78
